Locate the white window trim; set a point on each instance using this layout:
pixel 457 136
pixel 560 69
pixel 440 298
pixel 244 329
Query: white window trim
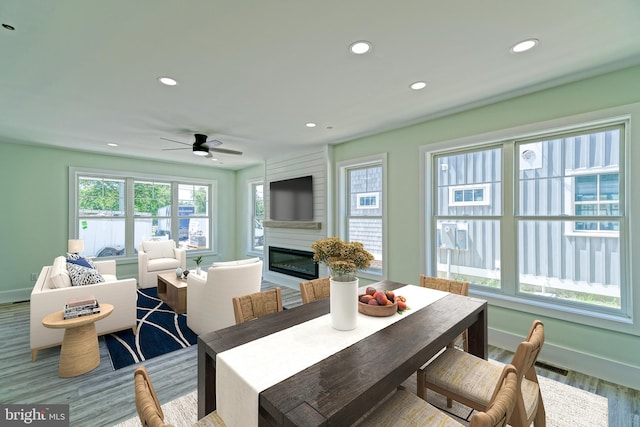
pixel 625 113
pixel 341 172
pixel 76 172
pixel 251 211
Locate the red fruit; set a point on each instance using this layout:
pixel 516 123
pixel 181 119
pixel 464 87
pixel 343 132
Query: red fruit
pixel 373 302
pixel 390 295
pixel 402 306
pixel 365 298
pixel 370 290
pixel 382 298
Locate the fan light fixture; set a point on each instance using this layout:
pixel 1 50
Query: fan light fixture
pixel 200 150
pixel 360 47
pixel 168 81
pixel 525 45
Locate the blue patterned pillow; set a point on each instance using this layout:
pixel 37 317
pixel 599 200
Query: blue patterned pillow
pixel 82 275
pixel 77 259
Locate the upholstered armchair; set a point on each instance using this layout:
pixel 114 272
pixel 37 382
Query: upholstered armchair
pixel 209 295
pixel 156 257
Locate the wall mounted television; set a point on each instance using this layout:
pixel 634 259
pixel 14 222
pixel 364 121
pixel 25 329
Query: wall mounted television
pixel 291 199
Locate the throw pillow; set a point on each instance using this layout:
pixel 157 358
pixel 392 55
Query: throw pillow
pixel 81 276
pixel 77 259
pixel 159 249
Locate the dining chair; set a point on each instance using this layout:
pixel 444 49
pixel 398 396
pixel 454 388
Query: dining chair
pixel 404 408
pixel 258 304
pixel 315 289
pixel 468 379
pixel 147 403
pixel 454 287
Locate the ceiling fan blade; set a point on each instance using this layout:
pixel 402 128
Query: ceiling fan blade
pixel 225 151
pixel 214 143
pixel 173 140
pixel 171 149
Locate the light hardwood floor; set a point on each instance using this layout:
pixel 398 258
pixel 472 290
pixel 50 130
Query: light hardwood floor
pixel 104 397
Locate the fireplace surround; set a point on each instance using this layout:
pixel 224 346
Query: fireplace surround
pixel 293 262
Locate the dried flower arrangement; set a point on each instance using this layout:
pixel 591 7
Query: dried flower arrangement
pixel 343 259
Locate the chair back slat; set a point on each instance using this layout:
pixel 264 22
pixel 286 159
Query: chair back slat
pixel 502 403
pixel 447 285
pixel 315 289
pixel 252 306
pixel 147 404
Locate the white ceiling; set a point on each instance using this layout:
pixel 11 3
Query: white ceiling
pixel 83 73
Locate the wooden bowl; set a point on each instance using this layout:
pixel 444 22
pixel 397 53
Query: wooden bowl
pixel 377 310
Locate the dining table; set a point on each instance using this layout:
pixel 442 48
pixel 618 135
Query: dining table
pixel 344 381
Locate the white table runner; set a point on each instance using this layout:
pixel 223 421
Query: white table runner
pixel 244 371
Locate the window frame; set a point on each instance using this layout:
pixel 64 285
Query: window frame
pixel 342 170
pixel 253 217
pixel 627 319
pixel 130 216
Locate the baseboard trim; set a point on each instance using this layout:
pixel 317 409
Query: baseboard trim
pixel 17 295
pixel 589 364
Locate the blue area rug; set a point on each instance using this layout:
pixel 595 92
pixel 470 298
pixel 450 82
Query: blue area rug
pixel 160 331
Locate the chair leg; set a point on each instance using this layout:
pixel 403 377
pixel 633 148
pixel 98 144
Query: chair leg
pixel 421 390
pixel 540 420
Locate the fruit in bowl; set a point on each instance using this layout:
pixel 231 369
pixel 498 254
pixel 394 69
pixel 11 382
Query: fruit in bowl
pixel 376 304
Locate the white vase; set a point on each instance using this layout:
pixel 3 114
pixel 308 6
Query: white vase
pixel 343 303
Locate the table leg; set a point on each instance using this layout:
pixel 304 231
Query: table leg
pixel 80 352
pixel 478 337
pixel 206 382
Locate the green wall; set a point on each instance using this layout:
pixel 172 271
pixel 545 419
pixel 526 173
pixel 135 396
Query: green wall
pixel 35 190
pixel 403 198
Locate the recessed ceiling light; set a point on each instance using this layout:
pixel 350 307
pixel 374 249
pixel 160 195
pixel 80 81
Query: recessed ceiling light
pixel 167 81
pixel 525 45
pixel 310 125
pixel 111 144
pixel 418 85
pixel 360 47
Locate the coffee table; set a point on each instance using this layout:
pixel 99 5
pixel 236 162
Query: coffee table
pixel 79 352
pixel 173 291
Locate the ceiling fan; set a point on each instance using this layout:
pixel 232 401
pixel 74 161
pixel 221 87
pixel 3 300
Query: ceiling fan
pixel 202 147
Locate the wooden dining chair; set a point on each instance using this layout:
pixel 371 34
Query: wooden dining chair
pixel 252 306
pixel 454 287
pixel 404 408
pixel 468 379
pixel 147 403
pixel 315 289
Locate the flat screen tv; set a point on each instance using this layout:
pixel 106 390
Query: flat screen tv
pixel 291 199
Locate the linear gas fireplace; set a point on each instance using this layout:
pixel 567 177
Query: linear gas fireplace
pixel 293 263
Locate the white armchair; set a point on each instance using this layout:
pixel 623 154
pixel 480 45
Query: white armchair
pixel 209 305
pixel 156 257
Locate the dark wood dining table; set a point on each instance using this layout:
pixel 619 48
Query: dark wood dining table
pixel 344 386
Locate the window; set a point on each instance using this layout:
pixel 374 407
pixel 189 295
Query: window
pixel 113 214
pixel 368 201
pixel 257 217
pixel 536 219
pixel 362 185
pixel 597 195
pixel 469 195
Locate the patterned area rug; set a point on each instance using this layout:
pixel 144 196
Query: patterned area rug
pixel 160 331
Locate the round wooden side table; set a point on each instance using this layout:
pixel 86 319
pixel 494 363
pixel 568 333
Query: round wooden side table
pixel 80 352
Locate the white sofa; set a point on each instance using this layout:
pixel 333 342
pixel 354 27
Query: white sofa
pixel 158 256
pixel 209 296
pixel 53 289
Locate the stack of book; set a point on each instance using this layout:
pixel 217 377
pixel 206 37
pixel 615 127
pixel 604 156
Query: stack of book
pixel 82 306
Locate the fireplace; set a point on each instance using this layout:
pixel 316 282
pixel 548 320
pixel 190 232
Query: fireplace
pixel 293 262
